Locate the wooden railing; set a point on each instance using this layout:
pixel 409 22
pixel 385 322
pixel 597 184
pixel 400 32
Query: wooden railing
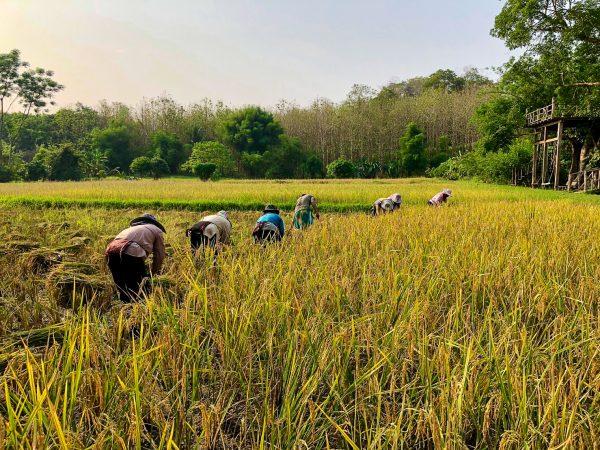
pixel 541 114
pixel 586 180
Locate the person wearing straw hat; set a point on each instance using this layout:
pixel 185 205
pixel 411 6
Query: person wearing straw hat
pixel 386 205
pixel 306 208
pixel 212 231
pixel 269 227
pixel 126 255
pixel 440 198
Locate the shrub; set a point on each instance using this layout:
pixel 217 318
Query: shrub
pixel 212 152
pixel 341 168
pixel 144 166
pixel 313 167
pixel 36 170
pixel 412 150
pixel 205 170
pixel 64 163
pixel 141 166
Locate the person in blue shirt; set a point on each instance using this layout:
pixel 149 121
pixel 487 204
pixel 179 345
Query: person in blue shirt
pixel 269 227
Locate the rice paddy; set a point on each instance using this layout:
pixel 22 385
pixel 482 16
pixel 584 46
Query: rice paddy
pixel 469 326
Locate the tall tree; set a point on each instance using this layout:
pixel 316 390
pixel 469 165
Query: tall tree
pixel 251 130
pixel 33 89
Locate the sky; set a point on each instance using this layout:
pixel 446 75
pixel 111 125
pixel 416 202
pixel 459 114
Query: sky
pixel 242 51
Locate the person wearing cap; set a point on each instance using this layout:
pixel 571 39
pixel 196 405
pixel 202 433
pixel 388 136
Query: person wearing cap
pixel 212 231
pixel 126 255
pixel 269 227
pixel 440 198
pixel 306 208
pixel 386 205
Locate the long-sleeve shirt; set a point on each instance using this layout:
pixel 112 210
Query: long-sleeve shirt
pixel 221 228
pixel 307 201
pixel 275 219
pixel 146 240
pixel 439 198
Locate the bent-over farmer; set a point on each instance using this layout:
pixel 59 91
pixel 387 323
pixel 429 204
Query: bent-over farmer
pixel 386 205
pixel 212 231
pixel 306 208
pixel 440 198
pixel 126 255
pixel 269 227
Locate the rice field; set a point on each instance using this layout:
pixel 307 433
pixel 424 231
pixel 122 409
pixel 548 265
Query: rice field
pixel 472 326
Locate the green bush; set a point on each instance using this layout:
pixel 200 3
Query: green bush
pixel 205 170
pixel 215 153
pixel 64 163
pixel 489 167
pixel 144 166
pixel 36 170
pixel 341 168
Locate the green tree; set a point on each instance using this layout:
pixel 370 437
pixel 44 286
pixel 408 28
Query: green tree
pixel 412 151
pixel 313 167
pixel 446 80
pixel 285 160
pixel 251 130
pixel 114 143
pixel 212 152
pixel 145 166
pixel 559 56
pixel 341 168
pixel 64 163
pixel 254 165
pixel 168 147
pixel 205 170
pixel 160 168
pixel 141 166
pixel 32 89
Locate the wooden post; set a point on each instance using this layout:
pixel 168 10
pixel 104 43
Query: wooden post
pixel 534 165
pixel 557 162
pixel 544 156
pixel 584 181
pixel 569 182
pixel 553 107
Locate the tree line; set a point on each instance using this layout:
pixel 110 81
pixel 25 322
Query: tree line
pixel 209 139
pixel 445 124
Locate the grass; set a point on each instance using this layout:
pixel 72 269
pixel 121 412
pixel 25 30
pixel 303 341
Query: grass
pixel 471 326
pixel 248 195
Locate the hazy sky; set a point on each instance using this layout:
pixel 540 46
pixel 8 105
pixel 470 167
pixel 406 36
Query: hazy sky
pixel 245 52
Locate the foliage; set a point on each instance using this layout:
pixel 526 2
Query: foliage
pixel 141 166
pixel 32 88
pixel 312 167
pixel 341 168
pixel 64 163
pixel 490 167
pixel 36 170
pixel 286 159
pixel 145 166
pixel 215 153
pixel 168 147
pixel 254 165
pixel 114 143
pixel 251 130
pixel 412 151
pixel 205 170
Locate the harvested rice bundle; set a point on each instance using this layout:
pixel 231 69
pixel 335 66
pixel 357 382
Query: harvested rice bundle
pixel 19 246
pixel 41 260
pixel 78 283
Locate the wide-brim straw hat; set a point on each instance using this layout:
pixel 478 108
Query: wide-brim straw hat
pixel 271 209
pixel 147 219
pixel 448 192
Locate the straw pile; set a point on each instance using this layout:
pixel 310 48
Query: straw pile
pixel 71 284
